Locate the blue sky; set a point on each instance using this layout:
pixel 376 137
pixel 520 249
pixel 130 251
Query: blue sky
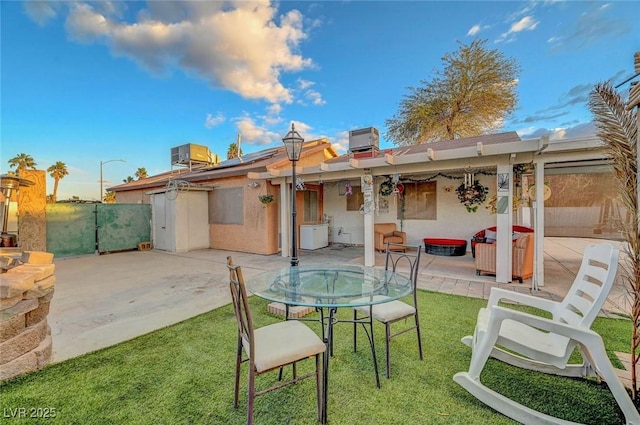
pixel 84 82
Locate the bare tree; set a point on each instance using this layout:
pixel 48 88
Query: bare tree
pixel 473 95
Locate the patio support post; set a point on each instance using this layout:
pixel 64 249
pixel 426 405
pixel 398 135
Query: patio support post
pixel 504 222
pixel 538 204
pixel 285 198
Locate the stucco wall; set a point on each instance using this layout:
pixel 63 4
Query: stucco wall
pixel 259 231
pixel 133 197
pixel 32 204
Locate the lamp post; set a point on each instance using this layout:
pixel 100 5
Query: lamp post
pixel 293 143
pixel 101 164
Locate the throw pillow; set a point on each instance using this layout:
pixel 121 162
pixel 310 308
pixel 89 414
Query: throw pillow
pixel 490 236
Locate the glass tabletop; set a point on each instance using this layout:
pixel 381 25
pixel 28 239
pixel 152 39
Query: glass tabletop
pixel 329 285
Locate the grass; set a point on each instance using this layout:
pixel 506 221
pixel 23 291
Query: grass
pixel 183 374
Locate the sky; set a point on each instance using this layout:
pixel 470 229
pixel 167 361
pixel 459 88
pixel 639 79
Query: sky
pixel 84 82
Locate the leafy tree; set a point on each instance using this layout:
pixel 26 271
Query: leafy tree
pixel 617 127
pixel 141 173
pixel 57 171
pixel 22 161
pixel 474 93
pixel 109 197
pixel 233 152
pixel 129 179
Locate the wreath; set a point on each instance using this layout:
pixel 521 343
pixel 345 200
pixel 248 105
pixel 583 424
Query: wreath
pixel 386 187
pixel 472 196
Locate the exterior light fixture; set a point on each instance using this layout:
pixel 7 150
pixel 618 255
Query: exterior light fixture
pixel 293 144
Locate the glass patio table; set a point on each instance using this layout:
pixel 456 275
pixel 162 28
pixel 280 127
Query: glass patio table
pixel 327 288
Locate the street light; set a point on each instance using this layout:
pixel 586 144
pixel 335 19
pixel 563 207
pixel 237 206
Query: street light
pixel 293 143
pixel 101 164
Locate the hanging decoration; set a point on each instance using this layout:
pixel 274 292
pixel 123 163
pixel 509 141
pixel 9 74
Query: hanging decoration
pixel 266 199
pixel 386 187
pixel 473 195
pixel 348 189
pixel 300 185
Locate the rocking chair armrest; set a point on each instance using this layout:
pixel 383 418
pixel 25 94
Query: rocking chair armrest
pixel 583 335
pixel 499 294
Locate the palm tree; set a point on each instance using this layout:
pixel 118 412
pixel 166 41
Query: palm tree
pixel 617 127
pixel 141 173
pixel 109 197
pixel 233 152
pixel 129 179
pixel 22 161
pixel 57 171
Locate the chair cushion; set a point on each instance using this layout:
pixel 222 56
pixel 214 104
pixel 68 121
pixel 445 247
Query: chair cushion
pixel 385 312
pixel 393 239
pixel 283 343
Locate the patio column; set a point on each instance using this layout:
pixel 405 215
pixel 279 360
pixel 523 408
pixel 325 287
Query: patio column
pixel 285 214
pixel 504 221
pixel 538 210
pixel 369 248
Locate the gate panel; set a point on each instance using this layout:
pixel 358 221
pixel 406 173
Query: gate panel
pixel 71 229
pixel 123 226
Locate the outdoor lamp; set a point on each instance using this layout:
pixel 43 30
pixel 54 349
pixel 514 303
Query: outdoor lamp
pixel 293 143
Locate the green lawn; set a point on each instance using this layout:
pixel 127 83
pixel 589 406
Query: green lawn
pixel 183 374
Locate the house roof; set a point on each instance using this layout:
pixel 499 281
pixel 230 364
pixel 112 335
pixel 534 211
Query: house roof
pixel 256 162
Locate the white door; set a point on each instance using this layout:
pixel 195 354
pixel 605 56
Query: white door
pixel 162 222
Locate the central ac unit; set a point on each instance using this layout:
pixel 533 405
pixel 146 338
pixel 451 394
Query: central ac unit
pixel 364 139
pixel 190 152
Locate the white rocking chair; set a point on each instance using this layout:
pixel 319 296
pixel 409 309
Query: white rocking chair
pixel 545 345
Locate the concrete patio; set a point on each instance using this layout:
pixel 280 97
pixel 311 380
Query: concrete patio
pixel 103 300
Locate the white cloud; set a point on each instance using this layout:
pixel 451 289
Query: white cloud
pixel 560 133
pixel 341 142
pixel 41 12
pixel 254 133
pixel 239 45
pixel 528 23
pixel 212 121
pixel 474 30
pixel 315 97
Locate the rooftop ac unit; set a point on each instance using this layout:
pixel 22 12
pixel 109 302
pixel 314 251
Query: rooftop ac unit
pixel 192 153
pixel 364 139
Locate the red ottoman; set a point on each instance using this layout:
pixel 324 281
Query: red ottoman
pixel 446 247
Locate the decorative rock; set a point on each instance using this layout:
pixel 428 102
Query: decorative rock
pixel 41 288
pixel 23 364
pixel 40 271
pixel 37 257
pixel 19 345
pixel 24 306
pixel 38 315
pixel 13 285
pixel 26 292
pixel 10 302
pixel 11 327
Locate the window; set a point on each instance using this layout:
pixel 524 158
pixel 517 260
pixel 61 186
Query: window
pixel 310 206
pixel 225 206
pixel 355 200
pixel 419 201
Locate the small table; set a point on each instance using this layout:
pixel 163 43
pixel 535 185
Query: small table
pixel 447 247
pixel 327 288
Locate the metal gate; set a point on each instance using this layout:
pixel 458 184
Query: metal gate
pixel 80 229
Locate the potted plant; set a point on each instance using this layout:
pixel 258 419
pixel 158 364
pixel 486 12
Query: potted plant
pixel 266 199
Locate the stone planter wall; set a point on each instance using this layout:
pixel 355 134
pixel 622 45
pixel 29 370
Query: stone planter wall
pixel 25 294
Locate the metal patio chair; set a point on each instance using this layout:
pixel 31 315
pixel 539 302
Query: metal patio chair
pixel 398 256
pixel 270 347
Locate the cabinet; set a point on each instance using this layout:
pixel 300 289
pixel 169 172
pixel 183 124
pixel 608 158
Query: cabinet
pixel 314 236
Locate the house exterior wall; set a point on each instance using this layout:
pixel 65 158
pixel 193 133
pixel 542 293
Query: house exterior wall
pixel 133 197
pixel 258 234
